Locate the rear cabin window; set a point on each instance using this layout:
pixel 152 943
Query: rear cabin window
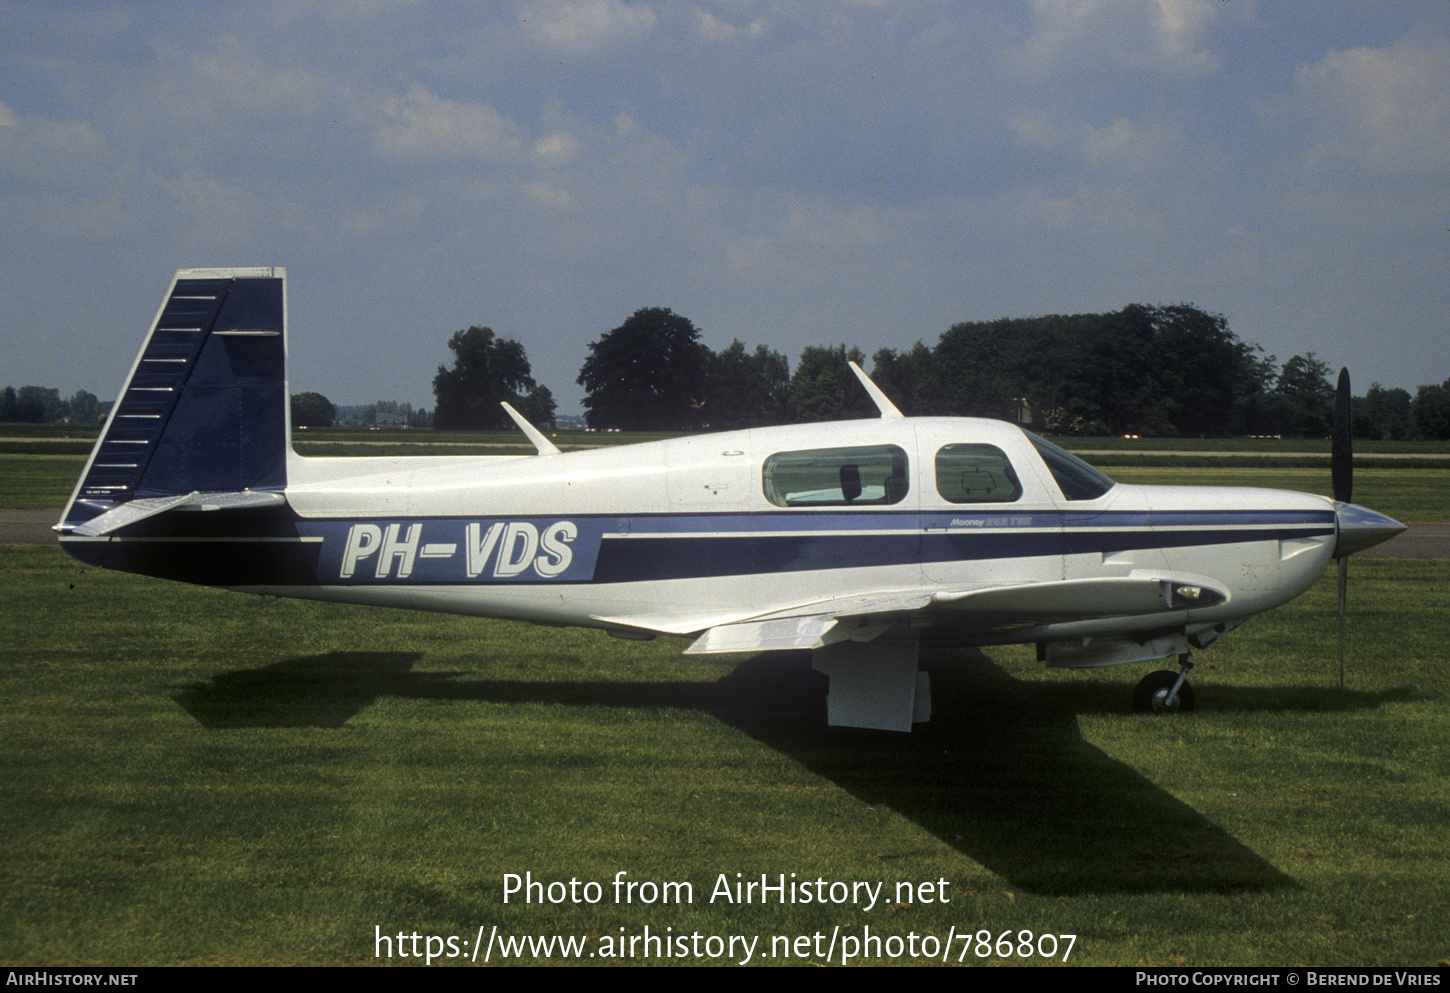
pixel 872 475
pixel 975 474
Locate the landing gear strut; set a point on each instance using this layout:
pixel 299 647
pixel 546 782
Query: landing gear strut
pixel 1165 691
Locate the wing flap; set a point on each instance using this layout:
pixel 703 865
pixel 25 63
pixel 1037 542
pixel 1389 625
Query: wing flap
pixel 768 636
pixel 811 625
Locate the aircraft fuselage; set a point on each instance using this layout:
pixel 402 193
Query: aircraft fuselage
pixel 680 536
pixel 849 539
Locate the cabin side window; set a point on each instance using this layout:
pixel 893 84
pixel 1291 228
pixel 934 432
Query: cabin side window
pixel 969 473
pixel 871 475
pixel 1076 479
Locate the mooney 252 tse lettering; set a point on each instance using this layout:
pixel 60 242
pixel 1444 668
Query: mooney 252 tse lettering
pixel 853 540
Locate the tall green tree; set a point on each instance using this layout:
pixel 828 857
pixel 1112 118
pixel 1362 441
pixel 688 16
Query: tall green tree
pixel 911 379
pixel 1382 415
pixel 648 374
pixel 1094 377
pixel 84 407
pixel 39 404
pixel 312 410
pixel 746 389
pixel 1256 401
pixel 1204 374
pixel 1430 411
pixel 825 389
pixel 1141 370
pixel 538 407
pixel 984 367
pixel 1307 397
pixel 487 370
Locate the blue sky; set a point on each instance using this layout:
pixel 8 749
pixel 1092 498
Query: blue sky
pixel 785 173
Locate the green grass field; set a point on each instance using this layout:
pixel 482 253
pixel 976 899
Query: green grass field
pixel 198 777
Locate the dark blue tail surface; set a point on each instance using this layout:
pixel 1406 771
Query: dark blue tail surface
pixel 205 407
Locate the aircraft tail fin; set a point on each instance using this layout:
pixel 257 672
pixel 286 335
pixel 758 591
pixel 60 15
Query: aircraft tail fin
pixel 205 406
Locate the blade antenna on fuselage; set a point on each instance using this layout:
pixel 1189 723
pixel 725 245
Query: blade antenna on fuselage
pixel 544 445
pixel 887 408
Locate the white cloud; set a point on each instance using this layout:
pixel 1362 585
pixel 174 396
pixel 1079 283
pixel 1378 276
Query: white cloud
pixel 558 148
pixel 8 117
pixel 1181 26
pixel 228 78
pixel 710 28
pixel 1157 36
pixel 754 253
pixel 582 27
pixel 1126 146
pixel 56 154
pixel 355 11
pixel 1089 213
pixel 625 126
pixel 549 195
pixel 826 224
pixel 422 127
pixel 1384 109
pixel 1123 146
pixel 1037 129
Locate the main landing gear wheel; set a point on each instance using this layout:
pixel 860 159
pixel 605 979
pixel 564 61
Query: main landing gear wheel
pixel 1153 693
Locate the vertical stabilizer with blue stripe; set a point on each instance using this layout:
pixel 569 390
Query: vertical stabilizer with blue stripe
pixel 203 416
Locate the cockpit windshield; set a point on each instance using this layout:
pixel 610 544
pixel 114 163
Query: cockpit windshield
pixel 1076 479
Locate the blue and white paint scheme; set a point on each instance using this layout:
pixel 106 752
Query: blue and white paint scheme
pixel 854 540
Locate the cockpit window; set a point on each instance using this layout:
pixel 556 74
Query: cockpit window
pixel 975 474
pixel 837 477
pixel 1076 479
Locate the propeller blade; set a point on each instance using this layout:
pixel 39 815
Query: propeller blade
pixel 1341 474
pixel 1341 463
pixel 1343 586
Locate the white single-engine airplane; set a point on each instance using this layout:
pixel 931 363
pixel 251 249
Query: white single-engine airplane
pixel 853 540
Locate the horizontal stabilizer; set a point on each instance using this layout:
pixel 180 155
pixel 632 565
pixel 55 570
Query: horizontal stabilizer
pixel 130 513
pixel 139 510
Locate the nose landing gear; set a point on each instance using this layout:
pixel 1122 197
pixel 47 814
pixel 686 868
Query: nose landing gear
pixel 1165 691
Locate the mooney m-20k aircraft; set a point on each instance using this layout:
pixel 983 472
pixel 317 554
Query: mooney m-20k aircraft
pixel 853 540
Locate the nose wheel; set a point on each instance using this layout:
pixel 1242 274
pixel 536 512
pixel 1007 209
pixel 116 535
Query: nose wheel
pixel 1165 691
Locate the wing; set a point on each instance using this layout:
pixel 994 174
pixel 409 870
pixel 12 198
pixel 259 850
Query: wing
pixel 864 617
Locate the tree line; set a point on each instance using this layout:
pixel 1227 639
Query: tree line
pixel 44 405
pixel 313 410
pixel 1162 371
pixel 1166 371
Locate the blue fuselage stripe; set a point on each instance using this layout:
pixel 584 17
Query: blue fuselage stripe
pixel 611 549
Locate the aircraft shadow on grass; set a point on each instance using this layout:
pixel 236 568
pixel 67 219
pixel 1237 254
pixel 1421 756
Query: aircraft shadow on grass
pixel 1002 773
